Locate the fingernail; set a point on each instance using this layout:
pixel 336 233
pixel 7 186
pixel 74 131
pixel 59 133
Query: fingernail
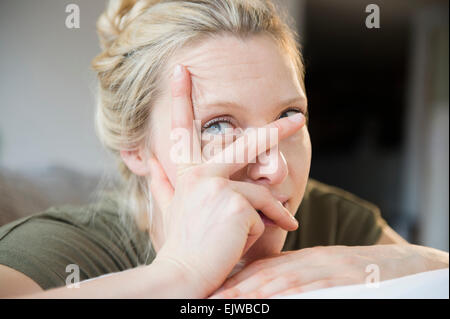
pixel 294 219
pixel 178 72
pixel 296 118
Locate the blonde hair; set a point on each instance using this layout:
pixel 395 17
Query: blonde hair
pixel 138 37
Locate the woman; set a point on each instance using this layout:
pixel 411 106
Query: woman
pixel 219 228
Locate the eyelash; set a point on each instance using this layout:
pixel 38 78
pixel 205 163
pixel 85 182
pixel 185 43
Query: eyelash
pixel 214 121
pixel 227 120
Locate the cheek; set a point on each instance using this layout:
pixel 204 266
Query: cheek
pixel 297 151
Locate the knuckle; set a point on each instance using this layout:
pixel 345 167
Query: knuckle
pixel 238 203
pixel 265 275
pixel 217 184
pixel 290 280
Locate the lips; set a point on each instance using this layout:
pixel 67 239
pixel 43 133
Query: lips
pixel 266 220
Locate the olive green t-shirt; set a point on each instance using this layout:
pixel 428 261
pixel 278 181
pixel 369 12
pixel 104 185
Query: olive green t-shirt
pixel 100 240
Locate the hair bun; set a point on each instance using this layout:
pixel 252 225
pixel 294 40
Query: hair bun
pixel 117 16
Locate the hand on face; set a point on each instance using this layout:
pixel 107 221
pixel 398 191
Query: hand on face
pixel 210 221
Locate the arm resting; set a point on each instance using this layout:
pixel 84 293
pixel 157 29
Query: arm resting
pixel 157 280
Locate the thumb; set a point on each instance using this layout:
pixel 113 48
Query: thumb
pixel 160 185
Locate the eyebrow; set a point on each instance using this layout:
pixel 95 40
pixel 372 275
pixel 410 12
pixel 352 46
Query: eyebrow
pixel 227 104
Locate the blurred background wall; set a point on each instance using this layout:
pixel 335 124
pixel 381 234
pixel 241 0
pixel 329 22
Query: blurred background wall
pixel 46 87
pixel 378 102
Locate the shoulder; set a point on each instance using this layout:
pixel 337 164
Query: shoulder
pixel 98 238
pixel 329 215
pixel 97 219
pixel 337 199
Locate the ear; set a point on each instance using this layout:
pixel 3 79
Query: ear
pixel 137 161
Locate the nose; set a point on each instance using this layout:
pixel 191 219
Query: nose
pixel 270 167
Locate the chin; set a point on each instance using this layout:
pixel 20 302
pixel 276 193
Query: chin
pixel 270 243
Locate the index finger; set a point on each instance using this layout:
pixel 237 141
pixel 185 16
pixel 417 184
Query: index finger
pixel 183 121
pixel 248 146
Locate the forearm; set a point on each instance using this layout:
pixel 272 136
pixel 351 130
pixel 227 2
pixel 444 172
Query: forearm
pixel 432 258
pixel 398 260
pixel 152 281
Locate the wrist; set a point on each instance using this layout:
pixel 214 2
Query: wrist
pixel 183 282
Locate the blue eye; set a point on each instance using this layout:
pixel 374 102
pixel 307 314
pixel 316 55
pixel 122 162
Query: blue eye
pixel 220 124
pixel 217 126
pixel 292 111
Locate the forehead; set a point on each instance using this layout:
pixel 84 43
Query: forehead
pixel 245 71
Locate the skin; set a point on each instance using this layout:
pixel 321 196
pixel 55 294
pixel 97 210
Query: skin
pixel 257 76
pixel 240 74
pixel 205 207
pixel 205 214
